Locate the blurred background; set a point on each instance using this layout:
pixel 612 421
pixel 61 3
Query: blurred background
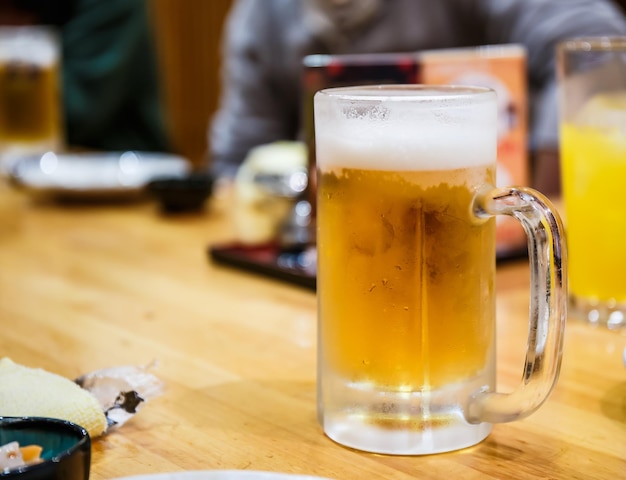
pixel 187 37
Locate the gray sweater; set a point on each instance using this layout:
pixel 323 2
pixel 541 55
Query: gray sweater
pixel 266 40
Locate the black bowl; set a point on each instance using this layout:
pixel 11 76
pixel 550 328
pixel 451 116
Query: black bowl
pixel 181 194
pixel 66 447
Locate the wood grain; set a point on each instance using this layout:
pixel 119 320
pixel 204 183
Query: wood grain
pixel 87 287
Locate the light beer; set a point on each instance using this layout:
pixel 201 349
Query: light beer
pixel 410 271
pixel 29 110
pixel 30 92
pixel 405 269
pixel 406 249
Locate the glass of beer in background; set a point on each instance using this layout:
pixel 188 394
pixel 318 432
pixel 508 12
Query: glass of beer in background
pixel 592 83
pixel 406 270
pixel 30 92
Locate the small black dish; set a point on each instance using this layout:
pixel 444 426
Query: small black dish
pixel 66 447
pixel 181 194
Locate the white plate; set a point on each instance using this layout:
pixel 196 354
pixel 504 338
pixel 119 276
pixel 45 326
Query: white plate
pixel 222 475
pixel 95 174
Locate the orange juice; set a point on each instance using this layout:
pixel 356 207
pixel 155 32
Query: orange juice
pixel 594 169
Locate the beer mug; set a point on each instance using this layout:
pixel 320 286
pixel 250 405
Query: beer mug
pixel 406 270
pixel 30 92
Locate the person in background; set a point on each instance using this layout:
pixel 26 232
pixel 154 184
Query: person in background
pixel 111 95
pixel 266 40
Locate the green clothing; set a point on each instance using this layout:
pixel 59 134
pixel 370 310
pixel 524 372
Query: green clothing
pixel 110 80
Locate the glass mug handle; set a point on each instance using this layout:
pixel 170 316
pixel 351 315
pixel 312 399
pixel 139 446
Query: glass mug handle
pixel 548 303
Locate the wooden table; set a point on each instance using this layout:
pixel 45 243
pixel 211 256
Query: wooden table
pixel 87 287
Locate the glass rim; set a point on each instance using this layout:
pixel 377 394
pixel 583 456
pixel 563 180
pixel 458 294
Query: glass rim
pixel 29 28
pixel 30 33
pixel 405 92
pixel 594 44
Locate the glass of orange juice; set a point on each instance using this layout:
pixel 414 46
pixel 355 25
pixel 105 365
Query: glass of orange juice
pixel 592 86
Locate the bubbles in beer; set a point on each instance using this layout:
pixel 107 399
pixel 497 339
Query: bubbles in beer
pixel 407 258
pixel 358 111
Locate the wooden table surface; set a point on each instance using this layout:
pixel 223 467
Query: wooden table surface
pixel 88 287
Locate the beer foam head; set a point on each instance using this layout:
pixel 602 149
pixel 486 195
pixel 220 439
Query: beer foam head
pixel 405 127
pixel 35 45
